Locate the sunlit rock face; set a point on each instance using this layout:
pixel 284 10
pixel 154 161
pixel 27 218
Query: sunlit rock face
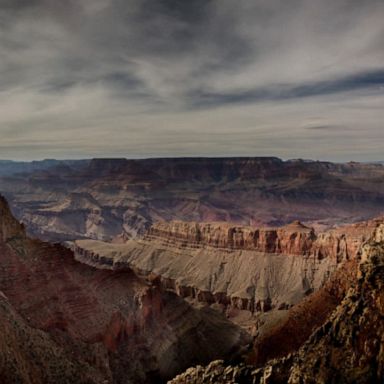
pixel 254 269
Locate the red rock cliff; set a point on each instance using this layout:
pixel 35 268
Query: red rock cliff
pixel 293 239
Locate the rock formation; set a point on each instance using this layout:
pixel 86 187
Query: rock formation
pixel 293 239
pixel 238 268
pixel 347 348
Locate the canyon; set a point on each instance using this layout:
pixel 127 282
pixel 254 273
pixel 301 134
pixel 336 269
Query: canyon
pixel 99 326
pixel 119 199
pixel 66 321
pixel 233 270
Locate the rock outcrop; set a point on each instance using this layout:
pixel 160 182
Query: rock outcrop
pixel 217 372
pixel 293 239
pixel 109 324
pixel 349 347
pixel 9 227
pixel 234 279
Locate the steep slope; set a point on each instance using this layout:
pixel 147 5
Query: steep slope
pixel 296 325
pixel 349 347
pixel 120 328
pixel 29 355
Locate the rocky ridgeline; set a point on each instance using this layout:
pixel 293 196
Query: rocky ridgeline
pixel 347 348
pixel 217 372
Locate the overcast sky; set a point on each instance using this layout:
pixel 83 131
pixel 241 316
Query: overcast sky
pixel 143 78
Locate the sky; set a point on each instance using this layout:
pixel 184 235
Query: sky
pixel 164 78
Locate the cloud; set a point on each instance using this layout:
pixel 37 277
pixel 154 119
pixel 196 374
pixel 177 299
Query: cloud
pixel 199 77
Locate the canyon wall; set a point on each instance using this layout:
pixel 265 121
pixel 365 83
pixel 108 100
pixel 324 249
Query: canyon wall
pixel 103 199
pixel 239 268
pixel 294 239
pixel 110 324
pixel 346 347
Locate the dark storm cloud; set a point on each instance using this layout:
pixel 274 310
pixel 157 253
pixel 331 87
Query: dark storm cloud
pixel 129 76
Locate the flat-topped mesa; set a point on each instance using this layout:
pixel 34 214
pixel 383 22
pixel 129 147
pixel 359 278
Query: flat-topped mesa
pixel 295 238
pixel 9 226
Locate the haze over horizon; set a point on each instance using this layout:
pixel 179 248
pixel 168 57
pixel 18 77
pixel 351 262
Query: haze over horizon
pixel 172 78
pixel 20 160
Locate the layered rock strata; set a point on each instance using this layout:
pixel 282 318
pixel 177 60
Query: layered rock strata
pixel 110 325
pixel 347 348
pixel 294 239
pixel 240 268
pixel 103 198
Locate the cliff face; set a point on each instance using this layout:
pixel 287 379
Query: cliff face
pixel 294 239
pixel 110 324
pixel 300 321
pixel 347 348
pixel 234 268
